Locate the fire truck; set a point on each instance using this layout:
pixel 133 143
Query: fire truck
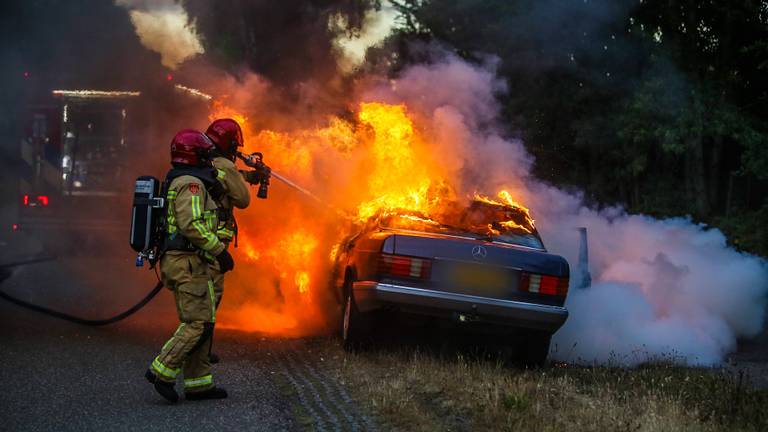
pixel 80 152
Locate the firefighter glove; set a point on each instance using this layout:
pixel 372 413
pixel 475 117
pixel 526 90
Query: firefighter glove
pixel 257 175
pixel 226 263
pixel 254 160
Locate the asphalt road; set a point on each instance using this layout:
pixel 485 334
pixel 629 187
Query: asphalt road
pixel 61 376
pixel 55 375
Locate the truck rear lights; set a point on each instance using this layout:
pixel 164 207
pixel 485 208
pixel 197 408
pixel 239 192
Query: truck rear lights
pixel 405 266
pixel 543 284
pixel 32 201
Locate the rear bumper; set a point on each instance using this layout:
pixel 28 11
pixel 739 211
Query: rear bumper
pixel 375 295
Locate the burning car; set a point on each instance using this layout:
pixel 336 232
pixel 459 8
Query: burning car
pixel 480 263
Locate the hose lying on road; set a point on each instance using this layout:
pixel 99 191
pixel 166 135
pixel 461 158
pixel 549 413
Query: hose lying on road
pixel 72 318
pixel 78 320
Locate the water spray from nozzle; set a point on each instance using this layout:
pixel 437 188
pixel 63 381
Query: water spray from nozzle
pixel 255 161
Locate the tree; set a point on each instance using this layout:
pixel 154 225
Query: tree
pixel 660 105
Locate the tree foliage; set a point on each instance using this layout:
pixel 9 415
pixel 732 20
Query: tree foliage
pixel 659 105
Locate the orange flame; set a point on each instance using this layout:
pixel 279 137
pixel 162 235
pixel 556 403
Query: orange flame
pixel 506 202
pixel 376 163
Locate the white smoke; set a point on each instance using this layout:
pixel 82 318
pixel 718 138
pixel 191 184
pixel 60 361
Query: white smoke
pixel 164 26
pixel 377 25
pixel 662 289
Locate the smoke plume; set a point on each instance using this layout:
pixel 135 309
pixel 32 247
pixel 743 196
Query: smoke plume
pixel 164 26
pixel 662 289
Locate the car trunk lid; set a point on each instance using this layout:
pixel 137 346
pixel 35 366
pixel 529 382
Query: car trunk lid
pixel 475 267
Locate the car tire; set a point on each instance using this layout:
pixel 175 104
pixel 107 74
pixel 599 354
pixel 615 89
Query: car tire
pixel 354 326
pixel 535 349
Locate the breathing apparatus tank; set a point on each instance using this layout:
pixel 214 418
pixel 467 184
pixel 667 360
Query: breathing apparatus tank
pixel 146 218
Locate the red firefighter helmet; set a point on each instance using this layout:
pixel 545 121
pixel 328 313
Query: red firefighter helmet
pixel 191 147
pixel 226 135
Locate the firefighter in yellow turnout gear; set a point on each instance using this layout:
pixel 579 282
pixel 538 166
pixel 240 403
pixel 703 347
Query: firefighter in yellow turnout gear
pixel 237 195
pixel 227 137
pixel 191 246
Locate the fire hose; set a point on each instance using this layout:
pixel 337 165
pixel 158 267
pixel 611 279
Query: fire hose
pixel 68 317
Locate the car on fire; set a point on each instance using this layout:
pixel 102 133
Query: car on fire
pixel 481 265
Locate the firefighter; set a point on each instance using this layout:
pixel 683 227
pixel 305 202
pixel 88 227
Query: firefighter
pixel 227 137
pixel 190 247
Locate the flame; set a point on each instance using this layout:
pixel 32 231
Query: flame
pixel 302 281
pixel 526 224
pixel 394 158
pixel 418 219
pixel 375 163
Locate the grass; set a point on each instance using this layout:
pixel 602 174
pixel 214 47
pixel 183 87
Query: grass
pixel 410 389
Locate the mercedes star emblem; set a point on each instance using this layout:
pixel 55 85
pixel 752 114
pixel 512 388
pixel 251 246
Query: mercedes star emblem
pixel 479 253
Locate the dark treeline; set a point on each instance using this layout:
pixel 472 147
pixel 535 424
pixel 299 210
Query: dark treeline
pixel 658 105
pixel 287 42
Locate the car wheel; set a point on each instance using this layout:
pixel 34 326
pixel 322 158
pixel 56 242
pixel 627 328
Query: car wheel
pixel 353 325
pixel 535 349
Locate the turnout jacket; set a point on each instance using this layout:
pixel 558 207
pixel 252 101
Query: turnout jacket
pixel 192 213
pixel 236 195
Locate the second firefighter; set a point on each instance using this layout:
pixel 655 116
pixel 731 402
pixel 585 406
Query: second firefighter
pixel 191 247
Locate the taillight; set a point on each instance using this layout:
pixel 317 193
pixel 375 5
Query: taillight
pixel 405 266
pixel 543 284
pixel 31 201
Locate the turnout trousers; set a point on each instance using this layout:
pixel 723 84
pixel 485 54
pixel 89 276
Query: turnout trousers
pixel 190 279
pixel 218 288
pixel 218 283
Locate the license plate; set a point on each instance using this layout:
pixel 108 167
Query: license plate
pixel 481 278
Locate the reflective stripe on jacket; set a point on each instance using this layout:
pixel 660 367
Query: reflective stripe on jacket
pixel 192 214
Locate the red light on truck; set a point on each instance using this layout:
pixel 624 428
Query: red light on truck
pixel 15 227
pixel 39 201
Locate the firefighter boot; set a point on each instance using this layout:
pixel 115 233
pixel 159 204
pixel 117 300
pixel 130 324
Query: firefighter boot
pixel 211 393
pixel 166 390
pixel 150 376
